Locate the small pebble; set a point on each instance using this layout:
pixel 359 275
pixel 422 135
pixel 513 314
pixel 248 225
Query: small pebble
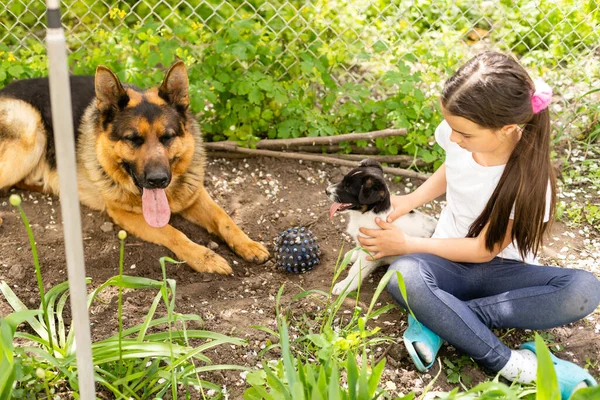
pixel 107 227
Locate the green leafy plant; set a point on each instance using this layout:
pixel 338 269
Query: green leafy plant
pixel 133 363
pixel 330 333
pixel 291 378
pixel 454 372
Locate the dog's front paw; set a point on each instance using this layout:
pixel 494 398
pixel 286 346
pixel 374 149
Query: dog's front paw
pixel 340 287
pixel 205 260
pixel 354 253
pixel 252 251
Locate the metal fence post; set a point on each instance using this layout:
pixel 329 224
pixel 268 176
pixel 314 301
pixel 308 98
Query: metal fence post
pixel 60 97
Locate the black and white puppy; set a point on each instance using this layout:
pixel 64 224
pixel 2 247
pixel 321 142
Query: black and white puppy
pixel 363 195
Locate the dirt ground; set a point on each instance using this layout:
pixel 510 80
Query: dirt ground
pixel 264 196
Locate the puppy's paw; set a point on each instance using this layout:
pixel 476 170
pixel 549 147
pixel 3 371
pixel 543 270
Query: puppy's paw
pixel 340 287
pixel 354 253
pixel 205 260
pixel 252 251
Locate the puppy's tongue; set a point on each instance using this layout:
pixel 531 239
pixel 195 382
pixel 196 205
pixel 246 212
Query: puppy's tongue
pixel 334 208
pixel 155 207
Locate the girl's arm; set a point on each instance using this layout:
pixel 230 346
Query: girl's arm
pixel 470 250
pixel 391 241
pixel 432 188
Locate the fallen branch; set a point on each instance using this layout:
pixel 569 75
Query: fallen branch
pixel 233 147
pixel 327 140
pixel 228 154
pixel 223 146
pixel 334 148
pixel 403 161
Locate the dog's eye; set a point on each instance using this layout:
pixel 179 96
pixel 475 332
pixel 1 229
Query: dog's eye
pixel 135 140
pixel 167 138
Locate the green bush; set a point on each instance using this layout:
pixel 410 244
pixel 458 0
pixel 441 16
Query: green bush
pixel 288 69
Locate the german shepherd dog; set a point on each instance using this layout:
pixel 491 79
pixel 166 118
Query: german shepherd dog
pixel 139 158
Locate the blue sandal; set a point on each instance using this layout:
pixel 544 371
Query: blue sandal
pixel 417 332
pixel 568 374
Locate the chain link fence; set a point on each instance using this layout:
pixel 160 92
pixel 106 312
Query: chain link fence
pixel 558 40
pixel 568 31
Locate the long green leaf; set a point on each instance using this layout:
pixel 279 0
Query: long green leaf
pixel 128 282
pixel 363 379
pixel 547 384
pixel 352 370
pixel 149 317
pixel 18 305
pixel 402 287
pixel 334 383
pixel 60 306
pixel 286 354
pixel 298 391
pixel 322 380
pixel 375 377
pixel 587 393
pixel 98 377
pixel 156 322
pixel 197 334
pixel 265 329
pixel 257 393
pixel 50 309
pixel 8 327
pixel 309 293
pixel 7 379
pixel 276 384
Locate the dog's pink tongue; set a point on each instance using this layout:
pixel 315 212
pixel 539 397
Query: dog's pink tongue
pixel 155 207
pixel 333 209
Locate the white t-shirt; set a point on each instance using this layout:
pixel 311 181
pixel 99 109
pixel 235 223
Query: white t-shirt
pixel 469 187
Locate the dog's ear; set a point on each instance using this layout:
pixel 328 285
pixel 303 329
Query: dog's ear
pixel 110 95
pixel 370 163
pixel 175 87
pixel 372 191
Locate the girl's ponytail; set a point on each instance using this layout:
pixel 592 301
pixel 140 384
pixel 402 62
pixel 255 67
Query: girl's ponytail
pixel 527 178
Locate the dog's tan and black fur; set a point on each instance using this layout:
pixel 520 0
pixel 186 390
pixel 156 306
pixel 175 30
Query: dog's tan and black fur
pixel 132 144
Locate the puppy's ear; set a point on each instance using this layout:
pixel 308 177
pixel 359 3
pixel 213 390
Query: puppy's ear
pixel 110 95
pixel 371 163
pixel 372 191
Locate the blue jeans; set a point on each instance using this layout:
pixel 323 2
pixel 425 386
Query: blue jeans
pixel 461 302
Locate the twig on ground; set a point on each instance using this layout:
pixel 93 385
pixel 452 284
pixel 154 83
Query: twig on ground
pixel 402 160
pixel 334 148
pixel 233 147
pixel 327 140
pixel 385 352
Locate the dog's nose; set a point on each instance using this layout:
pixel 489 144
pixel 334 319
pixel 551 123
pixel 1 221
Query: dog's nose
pixel 157 179
pixel 327 191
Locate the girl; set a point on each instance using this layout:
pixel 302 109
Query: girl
pixel 478 271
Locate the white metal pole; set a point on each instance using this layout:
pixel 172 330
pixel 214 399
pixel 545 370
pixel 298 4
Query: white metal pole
pixel 60 98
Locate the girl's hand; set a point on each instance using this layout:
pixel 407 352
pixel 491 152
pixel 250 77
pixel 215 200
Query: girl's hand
pixel 401 206
pixel 387 241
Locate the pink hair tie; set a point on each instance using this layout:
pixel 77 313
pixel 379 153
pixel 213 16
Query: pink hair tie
pixel 542 96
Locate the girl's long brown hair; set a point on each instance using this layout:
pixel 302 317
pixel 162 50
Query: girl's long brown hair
pixel 493 90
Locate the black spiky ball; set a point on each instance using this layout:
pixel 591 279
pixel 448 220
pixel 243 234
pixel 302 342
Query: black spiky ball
pixel 297 250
